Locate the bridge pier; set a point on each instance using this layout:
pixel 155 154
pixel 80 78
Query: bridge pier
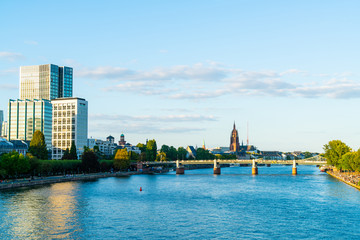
pixel 254 169
pixel 179 168
pixel 294 168
pixel 217 169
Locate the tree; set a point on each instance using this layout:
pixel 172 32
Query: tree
pixel 14 163
pixel 122 160
pixel 73 153
pixel 182 153
pixel 38 146
pixel 66 155
pixel 172 155
pixel 151 150
pixel 141 146
pixel 307 154
pixel 160 157
pixel 202 154
pixel 334 151
pixel 89 161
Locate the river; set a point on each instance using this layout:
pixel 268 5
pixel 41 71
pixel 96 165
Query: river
pixel 197 205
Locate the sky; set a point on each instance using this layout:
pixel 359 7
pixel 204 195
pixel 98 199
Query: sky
pixel 182 72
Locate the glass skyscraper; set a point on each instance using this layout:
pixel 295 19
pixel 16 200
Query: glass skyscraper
pixel 45 82
pixel 27 116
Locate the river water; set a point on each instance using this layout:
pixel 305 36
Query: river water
pixel 197 205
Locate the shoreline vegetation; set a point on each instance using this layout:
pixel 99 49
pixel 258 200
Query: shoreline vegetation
pixel 38 181
pixel 344 162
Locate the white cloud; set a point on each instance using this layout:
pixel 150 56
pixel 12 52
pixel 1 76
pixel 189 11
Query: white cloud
pixel 11 56
pixel 212 80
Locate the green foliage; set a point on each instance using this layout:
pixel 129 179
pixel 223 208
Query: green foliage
pixel 73 153
pixel 202 154
pixel 122 159
pixel 90 161
pixel 38 146
pixel 307 154
pixel 66 155
pixel 225 156
pixel 56 167
pixel 151 150
pixel 182 153
pixel 170 152
pixel 160 157
pixel 14 164
pixel 133 156
pixel 142 147
pixel 106 165
pixel 334 152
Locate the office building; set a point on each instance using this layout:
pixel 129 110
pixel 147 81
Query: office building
pixel 27 116
pixel 70 123
pixel 45 82
pixel 4 130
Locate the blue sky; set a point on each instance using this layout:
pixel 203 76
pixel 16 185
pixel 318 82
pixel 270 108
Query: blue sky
pixel 182 72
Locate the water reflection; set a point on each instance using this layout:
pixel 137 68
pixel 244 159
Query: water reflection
pixel 48 211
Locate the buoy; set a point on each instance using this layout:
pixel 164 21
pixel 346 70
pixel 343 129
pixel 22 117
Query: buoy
pixel 140 189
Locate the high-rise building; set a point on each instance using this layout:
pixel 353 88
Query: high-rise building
pixel 27 116
pixel 1 121
pixel 45 82
pixel 4 130
pixel 234 140
pixel 70 123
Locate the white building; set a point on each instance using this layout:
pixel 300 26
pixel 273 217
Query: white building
pixel 70 123
pixel 27 116
pixel 106 147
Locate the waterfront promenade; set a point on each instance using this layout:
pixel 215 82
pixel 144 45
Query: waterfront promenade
pixel 28 182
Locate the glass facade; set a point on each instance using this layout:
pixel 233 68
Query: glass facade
pixel 45 82
pixel 27 116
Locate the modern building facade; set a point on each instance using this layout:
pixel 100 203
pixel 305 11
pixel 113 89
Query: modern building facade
pixel 27 116
pixel 70 123
pixel 4 130
pixel 45 82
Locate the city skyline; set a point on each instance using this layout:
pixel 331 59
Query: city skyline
pixel 182 73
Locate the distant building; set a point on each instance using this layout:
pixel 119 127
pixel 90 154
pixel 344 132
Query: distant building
pixel 191 152
pixel 27 116
pixel 271 155
pixel 129 148
pixel 70 123
pixel 122 141
pixel 110 139
pixel 234 140
pixel 14 145
pixel 45 82
pixel 4 130
pixel 106 147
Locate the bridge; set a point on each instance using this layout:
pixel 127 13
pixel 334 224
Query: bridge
pixel 317 160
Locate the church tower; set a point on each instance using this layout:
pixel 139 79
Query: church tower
pixel 234 140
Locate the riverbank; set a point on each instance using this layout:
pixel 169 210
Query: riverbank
pixel 352 179
pixel 57 179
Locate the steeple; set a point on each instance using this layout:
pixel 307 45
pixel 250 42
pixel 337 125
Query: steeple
pixel 234 125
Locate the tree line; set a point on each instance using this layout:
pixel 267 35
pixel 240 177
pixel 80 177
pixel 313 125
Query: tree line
pixel 36 162
pixel 341 156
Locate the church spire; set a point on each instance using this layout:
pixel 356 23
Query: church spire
pixel 234 125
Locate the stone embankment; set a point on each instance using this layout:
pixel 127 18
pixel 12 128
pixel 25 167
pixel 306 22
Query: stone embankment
pixel 350 178
pixel 57 179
